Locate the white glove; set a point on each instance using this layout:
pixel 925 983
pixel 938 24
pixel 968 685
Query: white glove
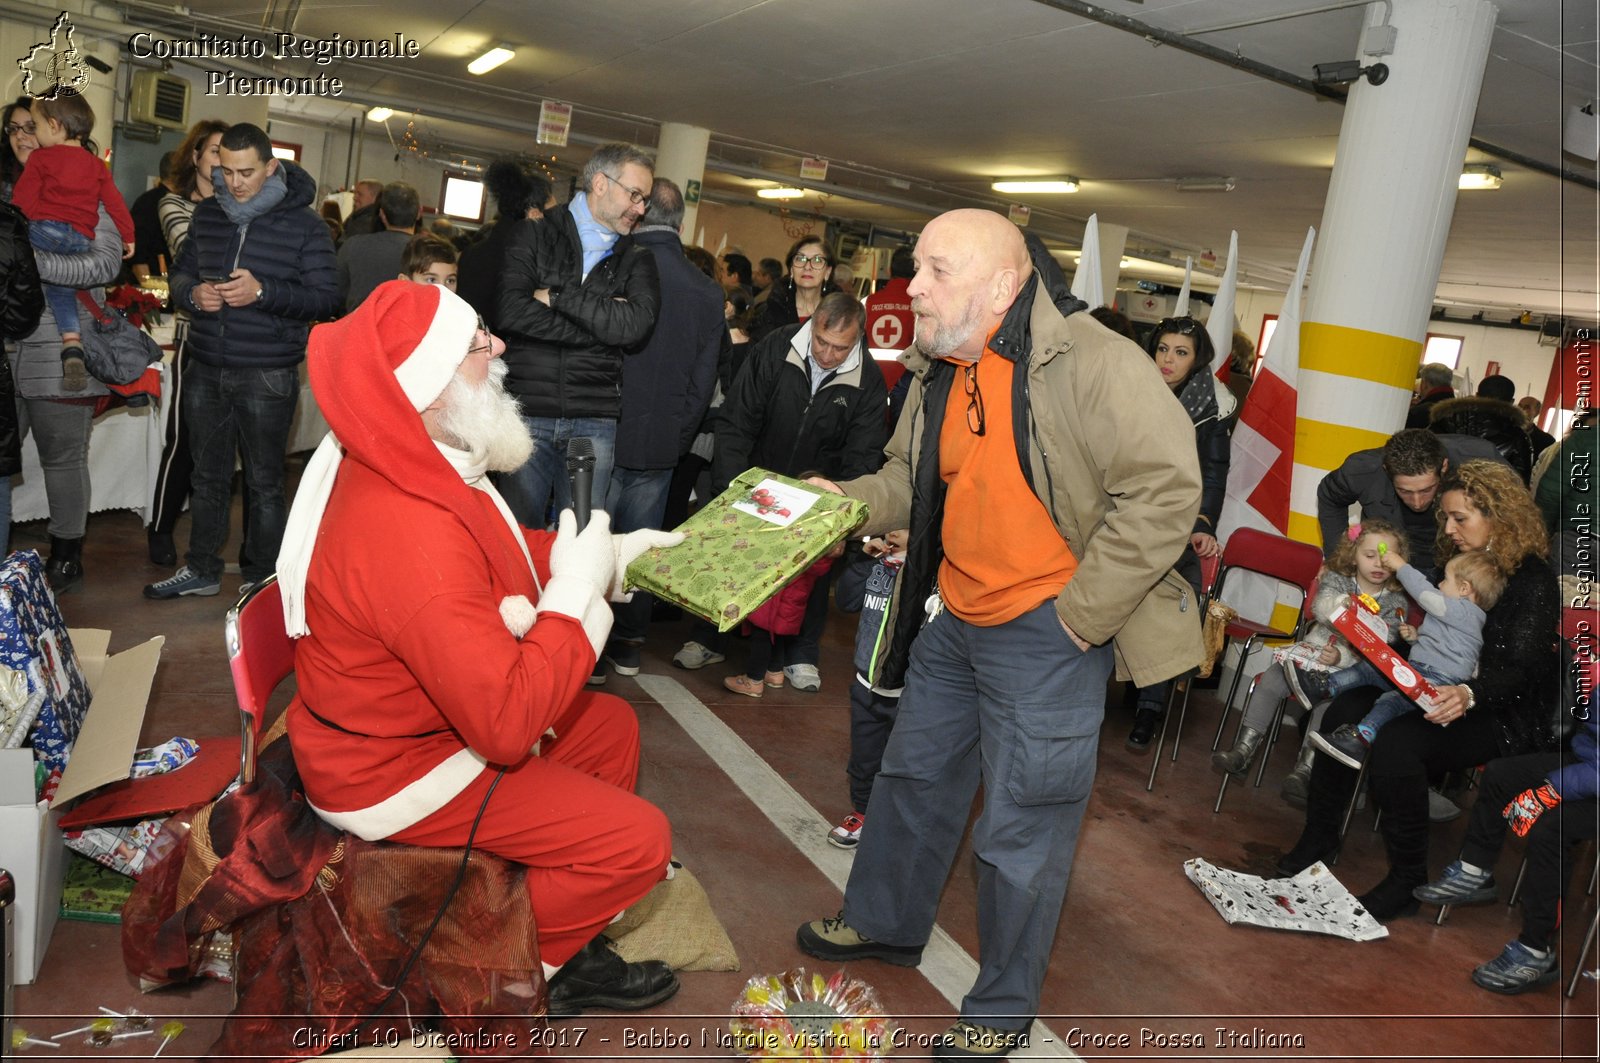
pixel 586 555
pixel 582 566
pixel 629 548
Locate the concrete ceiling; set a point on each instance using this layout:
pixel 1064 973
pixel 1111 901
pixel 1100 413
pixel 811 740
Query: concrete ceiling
pixel 918 104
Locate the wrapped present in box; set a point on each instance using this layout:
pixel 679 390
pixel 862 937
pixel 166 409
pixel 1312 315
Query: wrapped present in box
pixel 34 640
pixel 94 893
pixel 745 545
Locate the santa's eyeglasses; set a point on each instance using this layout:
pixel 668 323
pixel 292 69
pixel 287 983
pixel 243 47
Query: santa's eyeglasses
pixel 482 330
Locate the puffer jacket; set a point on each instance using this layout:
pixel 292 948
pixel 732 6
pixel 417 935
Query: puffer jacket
pixel 777 310
pixel 772 420
pixel 1104 445
pixel 36 363
pixel 290 253
pixel 1500 423
pixel 21 298
pixel 565 359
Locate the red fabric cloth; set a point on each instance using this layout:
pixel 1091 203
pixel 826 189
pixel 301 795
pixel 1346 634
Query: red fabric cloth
pixel 68 183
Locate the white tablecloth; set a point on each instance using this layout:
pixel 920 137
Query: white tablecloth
pixel 124 453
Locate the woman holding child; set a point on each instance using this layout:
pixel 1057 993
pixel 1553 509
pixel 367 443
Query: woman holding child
pixel 1505 710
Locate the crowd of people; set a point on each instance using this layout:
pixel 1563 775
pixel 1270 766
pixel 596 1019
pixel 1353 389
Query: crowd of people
pixel 1042 488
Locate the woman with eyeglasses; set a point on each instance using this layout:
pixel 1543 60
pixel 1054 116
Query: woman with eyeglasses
pixel 60 422
pixel 795 299
pixel 1182 353
pixel 21 298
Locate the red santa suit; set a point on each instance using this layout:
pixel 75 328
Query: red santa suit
pixel 436 666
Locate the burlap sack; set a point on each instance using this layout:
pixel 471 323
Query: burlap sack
pixel 674 923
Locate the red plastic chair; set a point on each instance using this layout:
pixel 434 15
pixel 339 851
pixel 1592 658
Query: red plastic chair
pixel 260 655
pixel 1288 561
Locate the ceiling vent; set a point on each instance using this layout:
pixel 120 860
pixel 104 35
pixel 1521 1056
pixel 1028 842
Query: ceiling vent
pixel 159 99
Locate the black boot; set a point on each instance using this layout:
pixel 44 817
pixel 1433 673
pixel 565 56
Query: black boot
pixel 64 567
pixel 1404 802
pixel 1145 724
pixel 598 978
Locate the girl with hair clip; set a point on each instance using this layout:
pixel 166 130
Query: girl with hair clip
pixel 1356 567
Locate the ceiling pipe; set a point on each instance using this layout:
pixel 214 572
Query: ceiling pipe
pixel 1182 42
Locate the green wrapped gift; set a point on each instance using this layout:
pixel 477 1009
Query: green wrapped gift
pixel 743 547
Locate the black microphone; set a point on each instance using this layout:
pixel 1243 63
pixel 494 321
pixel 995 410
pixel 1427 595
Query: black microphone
pixel 580 477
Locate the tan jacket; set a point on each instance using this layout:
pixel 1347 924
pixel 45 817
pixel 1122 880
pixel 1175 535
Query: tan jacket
pixel 1113 457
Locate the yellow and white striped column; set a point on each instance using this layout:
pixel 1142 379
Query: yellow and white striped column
pixel 1382 238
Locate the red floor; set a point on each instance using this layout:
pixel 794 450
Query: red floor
pixel 1139 953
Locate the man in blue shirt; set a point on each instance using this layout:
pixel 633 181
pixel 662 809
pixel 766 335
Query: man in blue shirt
pixel 576 296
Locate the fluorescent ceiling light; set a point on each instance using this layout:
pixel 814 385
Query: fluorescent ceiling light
pixel 780 193
pixel 1479 177
pixel 380 114
pixel 1057 185
pixel 1205 184
pixel 490 59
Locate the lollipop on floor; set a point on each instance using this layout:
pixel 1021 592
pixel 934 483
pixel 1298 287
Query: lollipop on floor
pixel 169 1031
pixel 19 1037
pixel 102 1023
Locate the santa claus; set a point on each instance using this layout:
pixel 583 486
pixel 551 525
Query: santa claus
pixel 443 649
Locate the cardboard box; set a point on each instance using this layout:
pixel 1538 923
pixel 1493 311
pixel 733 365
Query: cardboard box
pixel 31 847
pixel 1370 636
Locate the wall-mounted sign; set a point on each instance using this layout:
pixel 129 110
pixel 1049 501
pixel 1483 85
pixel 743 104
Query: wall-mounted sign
pixel 1019 214
pixel 691 191
pixel 555 121
pixel 813 169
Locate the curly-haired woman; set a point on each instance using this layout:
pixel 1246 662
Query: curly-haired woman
pixel 1505 710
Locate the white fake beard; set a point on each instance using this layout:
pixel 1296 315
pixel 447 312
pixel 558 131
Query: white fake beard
pixel 484 420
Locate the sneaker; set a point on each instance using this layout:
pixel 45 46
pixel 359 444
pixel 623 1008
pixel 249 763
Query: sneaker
pixel 623 656
pixel 848 833
pixel 163 551
pixel 774 680
pixel 74 374
pixel 743 684
pixel 833 939
pixel 597 678
pixel 1309 685
pixel 1440 808
pixel 1458 886
pixel 185 583
pixel 1346 745
pixel 694 656
pixel 804 677
pixel 1517 969
pixel 971 1040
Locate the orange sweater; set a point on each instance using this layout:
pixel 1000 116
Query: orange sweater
pixel 1002 553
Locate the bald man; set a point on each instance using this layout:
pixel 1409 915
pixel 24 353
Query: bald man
pixel 1050 480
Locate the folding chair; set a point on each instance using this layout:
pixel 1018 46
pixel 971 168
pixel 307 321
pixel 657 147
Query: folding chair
pixel 1274 556
pixel 1209 567
pixel 260 656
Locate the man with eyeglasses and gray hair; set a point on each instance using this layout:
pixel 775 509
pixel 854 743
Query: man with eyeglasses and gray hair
pixel 577 295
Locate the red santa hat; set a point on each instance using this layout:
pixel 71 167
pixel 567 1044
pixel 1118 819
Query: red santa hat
pixel 373 372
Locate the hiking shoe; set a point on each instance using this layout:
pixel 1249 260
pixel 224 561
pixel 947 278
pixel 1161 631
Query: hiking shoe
pixel 833 939
pixel 804 677
pixel 971 1040
pixel 623 656
pixel 847 835
pixel 185 583
pixel 694 656
pixel 1309 685
pixel 743 684
pixel 1346 745
pixel 74 374
pixel 1517 969
pixel 1458 886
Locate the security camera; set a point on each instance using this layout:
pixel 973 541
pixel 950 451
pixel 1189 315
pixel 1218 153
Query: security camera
pixel 1345 71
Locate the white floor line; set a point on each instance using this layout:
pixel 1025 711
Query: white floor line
pixel 945 964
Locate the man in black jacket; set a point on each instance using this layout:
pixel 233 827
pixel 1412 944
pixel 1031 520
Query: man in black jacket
pixel 666 389
pixel 576 295
pixel 257 270
pixel 809 400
